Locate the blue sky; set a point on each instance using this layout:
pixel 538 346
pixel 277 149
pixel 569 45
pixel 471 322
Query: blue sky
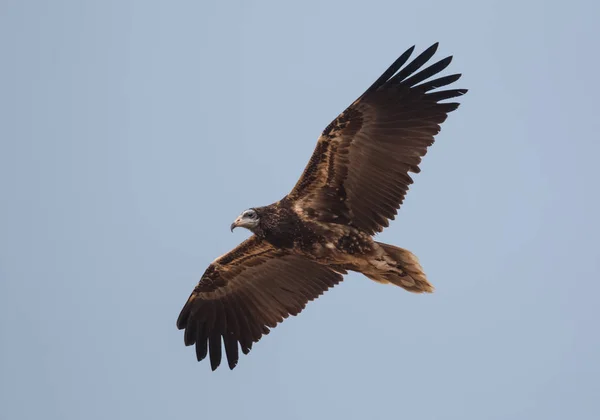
pixel 134 132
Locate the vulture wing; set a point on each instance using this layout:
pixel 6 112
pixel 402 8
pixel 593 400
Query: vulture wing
pixel 359 172
pixel 244 293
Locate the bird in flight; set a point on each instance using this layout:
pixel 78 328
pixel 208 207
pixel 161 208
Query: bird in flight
pixel 302 245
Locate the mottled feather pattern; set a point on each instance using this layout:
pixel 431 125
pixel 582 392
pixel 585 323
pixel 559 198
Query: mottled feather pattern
pixel 369 149
pixel 352 186
pixel 253 297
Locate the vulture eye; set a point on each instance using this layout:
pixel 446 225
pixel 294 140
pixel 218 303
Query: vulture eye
pixel 250 213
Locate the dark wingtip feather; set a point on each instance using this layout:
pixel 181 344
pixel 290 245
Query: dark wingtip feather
pixel 446 94
pixel 415 65
pixel 214 345
pixel 432 49
pixel 182 319
pixel 403 57
pixel 246 349
pixel 428 72
pixel 440 82
pixel 406 54
pixel 190 334
pixel 201 349
pixel 451 106
pixel 446 62
pixel 231 350
pixel 399 62
pixel 184 315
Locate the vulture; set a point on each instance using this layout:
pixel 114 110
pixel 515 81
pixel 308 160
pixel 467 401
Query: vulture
pixel 303 244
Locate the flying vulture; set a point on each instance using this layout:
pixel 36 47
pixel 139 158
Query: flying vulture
pixel 303 244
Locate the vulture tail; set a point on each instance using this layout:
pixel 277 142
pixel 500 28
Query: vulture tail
pixel 400 267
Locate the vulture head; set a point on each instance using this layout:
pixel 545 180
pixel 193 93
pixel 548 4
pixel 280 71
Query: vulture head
pixel 249 219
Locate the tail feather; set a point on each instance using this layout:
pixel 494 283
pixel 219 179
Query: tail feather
pixel 401 268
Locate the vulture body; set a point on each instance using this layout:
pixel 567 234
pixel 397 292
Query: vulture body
pixel 303 244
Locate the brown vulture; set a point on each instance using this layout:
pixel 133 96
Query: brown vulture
pixel 303 244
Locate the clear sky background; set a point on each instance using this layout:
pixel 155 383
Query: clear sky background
pixel 133 133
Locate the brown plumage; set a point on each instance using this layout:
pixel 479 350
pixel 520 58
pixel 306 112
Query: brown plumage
pixel 353 185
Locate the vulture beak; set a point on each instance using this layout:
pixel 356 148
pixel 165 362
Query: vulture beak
pixel 236 223
pixel 244 221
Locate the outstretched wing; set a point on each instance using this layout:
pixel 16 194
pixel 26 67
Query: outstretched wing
pixel 358 173
pixel 244 293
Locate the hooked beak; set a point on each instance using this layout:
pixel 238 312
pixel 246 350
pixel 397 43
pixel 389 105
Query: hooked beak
pixel 236 223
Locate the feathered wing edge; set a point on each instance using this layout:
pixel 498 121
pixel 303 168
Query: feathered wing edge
pixel 394 120
pixel 393 76
pixel 247 292
pixel 214 313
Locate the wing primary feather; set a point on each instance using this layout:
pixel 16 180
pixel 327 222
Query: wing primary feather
pixel 214 343
pixel 184 315
pixel 390 71
pixel 201 343
pixel 190 334
pixel 446 94
pixel 207 313
pixel 415 64
pixel 232 318
pixel 220 317
pixel 438 83
pixel 428 72
pixel 449 107
pixel 231 350
pixel 253 316
pixel 244 338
